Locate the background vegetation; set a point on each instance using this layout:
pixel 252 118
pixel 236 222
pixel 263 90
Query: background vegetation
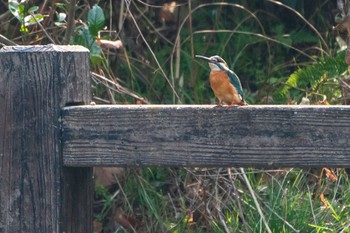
pixel 143 52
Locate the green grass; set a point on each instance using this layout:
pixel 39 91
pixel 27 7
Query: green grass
pixel 218 200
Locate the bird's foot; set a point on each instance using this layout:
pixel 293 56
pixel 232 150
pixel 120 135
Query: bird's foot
pixel 232 106
pixel 243 103
pixel 217 106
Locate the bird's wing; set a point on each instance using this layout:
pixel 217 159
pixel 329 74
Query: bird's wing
pixel 233 79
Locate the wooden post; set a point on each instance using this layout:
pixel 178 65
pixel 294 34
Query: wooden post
pixel 36 193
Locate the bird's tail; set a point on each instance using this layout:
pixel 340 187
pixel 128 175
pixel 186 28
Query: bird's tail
pixel 243 103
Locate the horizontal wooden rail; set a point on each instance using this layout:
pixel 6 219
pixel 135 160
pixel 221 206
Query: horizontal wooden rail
pixel 173 135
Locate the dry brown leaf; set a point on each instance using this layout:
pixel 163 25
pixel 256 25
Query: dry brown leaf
pixel 127 221
pixel 322 102
pixel 106 175
pixel 347 56
pixel 330 174
pixel 190 220
pixel 343 25
pixel 323 200
pixel 97 226
pixel 110 44
pixel 167 12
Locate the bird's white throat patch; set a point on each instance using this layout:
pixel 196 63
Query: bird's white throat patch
pixel 214 67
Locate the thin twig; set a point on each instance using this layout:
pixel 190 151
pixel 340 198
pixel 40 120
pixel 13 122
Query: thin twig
pixel 4 16
pixel 311 205
pixel 42 28
pixel 109 90
pixel 125 197
pixel 282 219
pixel 121 16
pixel 151 24
pixel 70 22
pixel 190 26
pixel 257 35
pixel 345 229
pixel 177 62
pixel 251 15
pixel 6 41
pixel 150 49
pixel 217 203
pixel 305 20
pixel 157 6
pixel 101 100
pixel 110 17
pixel 236 196
pixel 122 190
pixel 120 88
pixel 255 200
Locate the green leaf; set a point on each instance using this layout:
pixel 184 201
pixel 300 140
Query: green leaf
pixel 22 10
pixel 96 20
pixel 33 9
pixel 13 7
pixel 313 77
pixel 281 36
pixel 95 53
pixel 61 6
pixel 33 19
pixel 17 9
pixel 61 17
pixel 85 39
pixel 23 29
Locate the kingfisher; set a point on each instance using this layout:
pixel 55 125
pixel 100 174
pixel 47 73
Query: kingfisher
pixel 224 82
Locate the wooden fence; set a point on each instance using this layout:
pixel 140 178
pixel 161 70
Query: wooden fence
pixel 50 138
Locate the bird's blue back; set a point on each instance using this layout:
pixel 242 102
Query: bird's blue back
pixel 233 79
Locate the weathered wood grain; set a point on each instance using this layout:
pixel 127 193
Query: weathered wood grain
pixel 251 136
pixel 35 83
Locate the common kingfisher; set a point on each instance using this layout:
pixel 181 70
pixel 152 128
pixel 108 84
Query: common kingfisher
pixel 224 82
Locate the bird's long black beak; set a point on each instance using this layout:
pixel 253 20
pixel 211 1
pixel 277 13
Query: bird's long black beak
pixel 204 58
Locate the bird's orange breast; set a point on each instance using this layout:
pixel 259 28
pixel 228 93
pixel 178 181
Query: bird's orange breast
pixel 223 89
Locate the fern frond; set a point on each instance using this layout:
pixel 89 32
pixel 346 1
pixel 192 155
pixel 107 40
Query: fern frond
pixel 312 78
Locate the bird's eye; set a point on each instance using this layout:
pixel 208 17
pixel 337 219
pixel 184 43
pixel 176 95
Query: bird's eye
pixel 218 59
